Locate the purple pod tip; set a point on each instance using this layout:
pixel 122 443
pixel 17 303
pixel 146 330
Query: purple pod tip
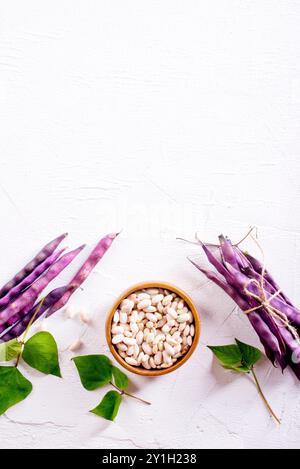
pixel 114 235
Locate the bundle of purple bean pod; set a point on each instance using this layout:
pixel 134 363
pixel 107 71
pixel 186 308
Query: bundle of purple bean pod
pixel 273 316
pixel 19 298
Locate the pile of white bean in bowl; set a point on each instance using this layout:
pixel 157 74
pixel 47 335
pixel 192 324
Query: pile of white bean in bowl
pixel 152 328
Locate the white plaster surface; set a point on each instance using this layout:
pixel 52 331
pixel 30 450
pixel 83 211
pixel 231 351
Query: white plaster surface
pixel 162 118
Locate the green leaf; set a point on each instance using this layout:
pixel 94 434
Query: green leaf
pixel 238 369
pixel 41 353
pixel 250 355
pixel 14 387
pixel 121 380
pixel 109 406
pixel 94 370
pixel 229 355
pixel 10 350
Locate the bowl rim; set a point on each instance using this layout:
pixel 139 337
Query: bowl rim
pixel 153 284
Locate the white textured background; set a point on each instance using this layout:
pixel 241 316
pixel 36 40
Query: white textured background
pixel 161 118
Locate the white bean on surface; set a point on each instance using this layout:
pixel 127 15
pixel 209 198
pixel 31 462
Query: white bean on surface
pixel 152 328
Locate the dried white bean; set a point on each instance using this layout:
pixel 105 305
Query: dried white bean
pixel 131 361
pixel 192 330
pixel 134 327
pixel 123 317
pixel 145 357
pixel 130 350
pixel 158 358
pixel 132 297
pixel 117 329
pixel 136 351
pixel 140 358
pixel 141 316
pixel 146 348
pixel 149 309
pixel 122 347
pixel 157 299
pixel 77 345
pixel 143 304
pixel 182 318
pixel 171 312
pixel 127 306
pixel 167 300
pixel 143 296
pixel 151 362
pixel 166 365
pixel 161 323
pixel 150 338
pixel 170 340
pixel 146 365
pixel 129 341
pixel 176 335
pixel 191 317
pixel 166 357
pixel 139 337
pixel 169 349
pixel 116 317
pixel 166 328
pixel 151 317
pixel 134 317
pixel 117 339
pixel 171 322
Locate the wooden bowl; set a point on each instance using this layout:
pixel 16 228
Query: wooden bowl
pixel 139 370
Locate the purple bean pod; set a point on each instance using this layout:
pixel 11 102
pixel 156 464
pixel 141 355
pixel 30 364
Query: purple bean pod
pixel 15 310
pixel 45 252
pixel 85 270
pixel 259 268
pixel 36 273
pixel 241 281
pixel 21 325
pixel 231 291
pixel 267 338
pixel 228 252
